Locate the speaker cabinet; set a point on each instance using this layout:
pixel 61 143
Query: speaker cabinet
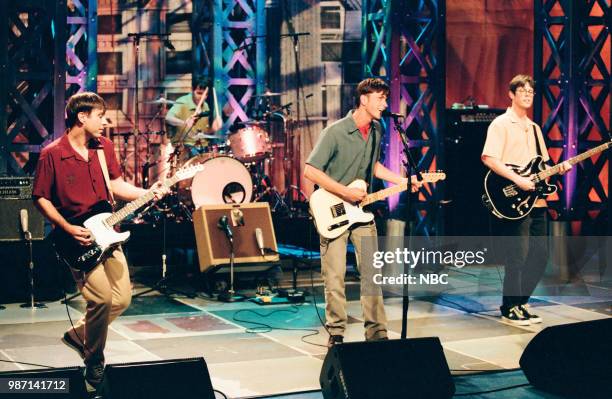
pixel 177 378
pixel 573 360
pixel 243 219
pixel 412 368
pixel 10 221
pixel 69 378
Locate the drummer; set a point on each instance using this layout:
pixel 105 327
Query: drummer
pixel 187 124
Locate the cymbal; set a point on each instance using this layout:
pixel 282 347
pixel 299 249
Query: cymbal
pixel 159 101
pixel 268 94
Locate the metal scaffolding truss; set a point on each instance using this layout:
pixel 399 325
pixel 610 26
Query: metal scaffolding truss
pixel 32 80
pixel 81 46
pixel 404 43
pixel 239 55
pixel 573 104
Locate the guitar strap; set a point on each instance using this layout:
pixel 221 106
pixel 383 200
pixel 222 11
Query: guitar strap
pixel 104 167
pixel 537 141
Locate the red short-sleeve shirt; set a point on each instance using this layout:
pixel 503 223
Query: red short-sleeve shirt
pixel 70 182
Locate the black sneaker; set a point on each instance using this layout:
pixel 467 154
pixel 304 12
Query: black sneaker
pixel 533 318
pixel 93 373
pixel 334 340
pixel 74 345
pixel 514 316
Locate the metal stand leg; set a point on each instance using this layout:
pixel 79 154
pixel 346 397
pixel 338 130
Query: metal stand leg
pixel 32 304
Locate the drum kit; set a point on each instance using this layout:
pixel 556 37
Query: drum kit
pixel 234 168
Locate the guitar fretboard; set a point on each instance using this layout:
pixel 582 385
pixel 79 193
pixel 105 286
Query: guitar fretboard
pixel 382 194
pixel 574 160
pixel 131 207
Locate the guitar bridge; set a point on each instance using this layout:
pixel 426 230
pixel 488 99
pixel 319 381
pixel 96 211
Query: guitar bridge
pixel 338 210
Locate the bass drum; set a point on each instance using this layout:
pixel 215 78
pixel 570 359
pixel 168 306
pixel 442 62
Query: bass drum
pixel 224 180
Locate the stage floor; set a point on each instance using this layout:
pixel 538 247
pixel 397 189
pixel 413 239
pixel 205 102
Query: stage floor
pixel 254 350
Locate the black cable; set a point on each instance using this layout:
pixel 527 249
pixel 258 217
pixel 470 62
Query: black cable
pixel 27 364
pixel 81 340
pixel 219 392
pixel 486 371
pixel 314 297
pixel 277 395
pixel 492 390
pixel 264 328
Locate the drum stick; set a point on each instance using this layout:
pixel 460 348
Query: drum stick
pixel 216 104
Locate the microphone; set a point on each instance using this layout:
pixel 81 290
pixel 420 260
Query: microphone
pixel 169 45
pixel 223 225
pixel 386 114
pixel 260 241
pixel 201 114
pixel 23 215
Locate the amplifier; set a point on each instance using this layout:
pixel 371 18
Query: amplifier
pixel 243 219
pixel 465 135
pixel 16 187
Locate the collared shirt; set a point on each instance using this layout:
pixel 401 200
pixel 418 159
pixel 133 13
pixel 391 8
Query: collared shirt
pixel 342 153
pixel 512 141
pixel 72 184
pixel 183 109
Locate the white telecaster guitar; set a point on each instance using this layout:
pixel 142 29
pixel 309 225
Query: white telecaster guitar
pixel 333 216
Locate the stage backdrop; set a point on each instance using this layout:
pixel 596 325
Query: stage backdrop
pixel 488 42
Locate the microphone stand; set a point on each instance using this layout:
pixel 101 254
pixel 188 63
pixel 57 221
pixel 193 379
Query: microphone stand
pixel 161 285
pixel 409 165
pixel 230 295
pixel 32 304
pixel 136 37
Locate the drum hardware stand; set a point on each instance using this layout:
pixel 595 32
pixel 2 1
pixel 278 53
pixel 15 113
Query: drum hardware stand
pixel 162 284
pixel 147 165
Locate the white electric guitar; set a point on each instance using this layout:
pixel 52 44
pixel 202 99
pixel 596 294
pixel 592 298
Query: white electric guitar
pixel 333 216
pixel 100 221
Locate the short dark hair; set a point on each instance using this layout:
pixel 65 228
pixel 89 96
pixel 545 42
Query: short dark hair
pixel 82 102
pixel 370 85
pixel 200 82
pixel 520 81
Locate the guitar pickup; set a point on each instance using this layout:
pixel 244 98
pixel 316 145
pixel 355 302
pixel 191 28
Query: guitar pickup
pixel 337 225
pixel 338 210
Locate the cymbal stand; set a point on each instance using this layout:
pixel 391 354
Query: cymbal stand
pixel 136 37
pixel 147 165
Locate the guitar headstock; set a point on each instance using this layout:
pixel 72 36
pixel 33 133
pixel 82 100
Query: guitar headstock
pixel 432 177
pixel 187 172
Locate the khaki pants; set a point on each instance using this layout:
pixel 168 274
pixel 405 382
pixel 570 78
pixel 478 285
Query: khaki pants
pixel 108 292
pixel 333 268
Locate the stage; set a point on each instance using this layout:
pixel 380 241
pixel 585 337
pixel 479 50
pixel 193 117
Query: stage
pixel 261 351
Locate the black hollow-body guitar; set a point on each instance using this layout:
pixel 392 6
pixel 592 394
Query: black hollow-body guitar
pixel 507 201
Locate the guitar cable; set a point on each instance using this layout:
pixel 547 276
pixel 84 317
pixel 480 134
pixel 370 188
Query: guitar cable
pixel 81 340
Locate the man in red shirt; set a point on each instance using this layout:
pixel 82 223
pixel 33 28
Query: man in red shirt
pixel 69 181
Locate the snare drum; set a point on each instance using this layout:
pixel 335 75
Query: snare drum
pixel 224 180
pixel 250 144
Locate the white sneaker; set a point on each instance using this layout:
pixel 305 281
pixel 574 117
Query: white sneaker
pixel 515 316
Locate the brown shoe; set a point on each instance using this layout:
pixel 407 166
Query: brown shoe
pixel 334 340
pixel 74 345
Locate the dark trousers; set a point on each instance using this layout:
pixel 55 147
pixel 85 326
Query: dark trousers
pixel 525 257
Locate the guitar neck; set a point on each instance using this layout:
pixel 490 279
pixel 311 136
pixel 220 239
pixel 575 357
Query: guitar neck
pixel 574 160
pixel 382 194
pixel 131 207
